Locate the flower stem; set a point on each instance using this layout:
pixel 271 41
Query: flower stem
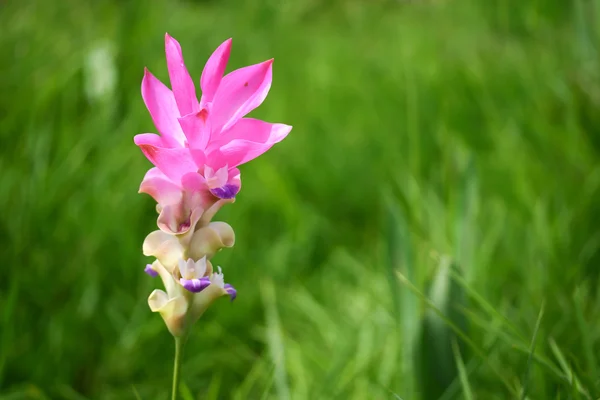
pixel 177 366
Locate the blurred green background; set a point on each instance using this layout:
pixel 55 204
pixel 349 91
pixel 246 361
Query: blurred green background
pixel 429 230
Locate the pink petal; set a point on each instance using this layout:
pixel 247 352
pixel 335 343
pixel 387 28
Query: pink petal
pixel 152 139
pixel 199 158
pixel 196 127
pixel 157 185
pixel 193 182
pixel 245 141
pixel 173 162
pixel 163 109
pixel 240 92
pixel 181 82
pixel 214 70
pixel 196 184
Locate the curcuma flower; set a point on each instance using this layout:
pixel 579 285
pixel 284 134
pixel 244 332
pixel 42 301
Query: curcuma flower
pixel 190 289
pixel 195 155
pixel 201 143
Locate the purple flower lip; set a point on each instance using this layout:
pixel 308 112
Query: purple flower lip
pixel 150 271
pixel 230 291
pixel 195 285
pixel 226 192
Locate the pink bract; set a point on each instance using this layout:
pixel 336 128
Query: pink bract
pixel 201 143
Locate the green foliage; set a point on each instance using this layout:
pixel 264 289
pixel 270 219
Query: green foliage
pixel 423 131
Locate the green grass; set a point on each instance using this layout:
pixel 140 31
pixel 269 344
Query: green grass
pixel 440 188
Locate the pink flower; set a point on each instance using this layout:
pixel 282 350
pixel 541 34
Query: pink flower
pixel 201 143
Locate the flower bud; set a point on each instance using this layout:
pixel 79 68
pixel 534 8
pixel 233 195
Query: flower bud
pixel 210 239
pixel 173 311
pixel 166 248
pixel 204 299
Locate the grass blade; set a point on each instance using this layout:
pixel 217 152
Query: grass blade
pixel 458 332
pixel 531 352
pixel 462 371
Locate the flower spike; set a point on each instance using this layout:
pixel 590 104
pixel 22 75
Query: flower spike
pixel 200 144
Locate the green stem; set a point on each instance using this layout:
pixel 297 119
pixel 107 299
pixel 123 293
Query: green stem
pixel 177 366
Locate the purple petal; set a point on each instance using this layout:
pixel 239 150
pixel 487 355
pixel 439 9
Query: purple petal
pixel 150 271
pixel 230 291
pixel 226 192
pixel 195 285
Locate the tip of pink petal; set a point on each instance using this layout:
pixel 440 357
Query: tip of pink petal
pixel 146 79
pixel 282 132
pixel 171 40
pixel 226 48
